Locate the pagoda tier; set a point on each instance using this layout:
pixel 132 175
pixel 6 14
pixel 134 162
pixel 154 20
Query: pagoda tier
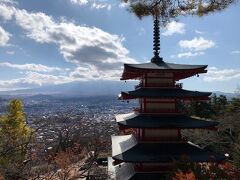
pixel 138 120
pixel 164 93
pixel 180 71
pixel 127 171
pixel 128 149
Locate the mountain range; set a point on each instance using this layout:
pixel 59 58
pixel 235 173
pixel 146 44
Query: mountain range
pixel 73 89
pixel 85 89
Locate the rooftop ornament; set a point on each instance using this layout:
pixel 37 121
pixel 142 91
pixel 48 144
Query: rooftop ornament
pixel 156 41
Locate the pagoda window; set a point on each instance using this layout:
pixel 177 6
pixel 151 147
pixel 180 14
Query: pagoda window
pixel 160 75
pixel 160 107
pixel 158 100
pixel 159 82
pixel 161 134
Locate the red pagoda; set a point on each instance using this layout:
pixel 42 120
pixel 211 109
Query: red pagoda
pixel 151 138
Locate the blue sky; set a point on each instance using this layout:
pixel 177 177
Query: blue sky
pixel 60 41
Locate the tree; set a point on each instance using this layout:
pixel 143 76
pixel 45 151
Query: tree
pixel 237 91
pixel 227 138
pixel 69 155
pixel 15 137
pixel 234 106
pixel 187 170
pixel 170 9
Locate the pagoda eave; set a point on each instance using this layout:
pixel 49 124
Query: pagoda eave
pixel 165 93
pixel 125 96
pixel 126 127
pixel 136 120
pixel 166 153
pixel 182 72
pixel 177 75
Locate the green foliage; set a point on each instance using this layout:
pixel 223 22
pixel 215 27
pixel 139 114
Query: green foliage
pixel 168 9
pixel 218 104
pixel 234 106
pixel 214 107
pixel 201 109
pixel 227 138
pixel 15 135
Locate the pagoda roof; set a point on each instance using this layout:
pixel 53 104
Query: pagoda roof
pixel 126 171
pixel 164 93
pixel 123 172
pixel 148 152
pixel 132 71
pixel 137 120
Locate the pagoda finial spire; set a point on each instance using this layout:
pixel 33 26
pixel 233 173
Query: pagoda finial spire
pixel 156 40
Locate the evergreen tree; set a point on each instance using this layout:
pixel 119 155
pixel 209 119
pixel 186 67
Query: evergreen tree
pixel 234 105
pixel 169 9
pixel 218 104
pixel 15 136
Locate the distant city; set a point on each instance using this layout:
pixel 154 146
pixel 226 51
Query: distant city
pixel 86 116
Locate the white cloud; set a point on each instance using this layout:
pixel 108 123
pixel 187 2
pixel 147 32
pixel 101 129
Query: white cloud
pixel 174 28
pixel 8 2
pixel 30 67
pixel 123 4
pixel 199 32
pixel 5 12
pixel 94 4
pixel 212 68
pixel 40 79
pixel 4 37
pixel 197 44
pixel 92 74
pixel 215 74
pixel 188 54
pixel 33 79
pixel 12 84
pixel 235 52
pixel 10 52
pixel 79 2
pixel 102 53
pixel 196 47
pixel 101 5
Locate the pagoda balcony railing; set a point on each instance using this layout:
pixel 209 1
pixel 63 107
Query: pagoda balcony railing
pixel 157 111
pixel 160 85
pixel 181 138
pixel 161 139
